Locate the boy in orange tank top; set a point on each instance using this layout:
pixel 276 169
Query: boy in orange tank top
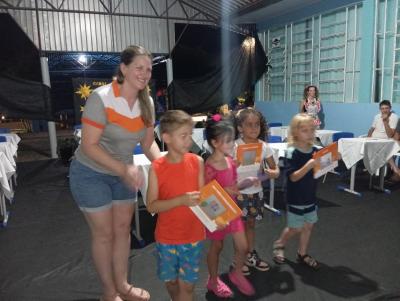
pixel 174 184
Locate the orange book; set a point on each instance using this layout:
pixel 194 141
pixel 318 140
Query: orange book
pixel 216 207
pixel 249 154
pixel 328 159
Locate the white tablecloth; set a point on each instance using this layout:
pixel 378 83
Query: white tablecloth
pixel 374 152
pixel 12 137
pixel 144 162
pixel 281 131
pixel 324 135
pixel 278 149
pixel 198 137
pixel 10 151
pixel 6 172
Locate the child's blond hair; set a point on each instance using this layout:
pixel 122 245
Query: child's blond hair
pixel 297 121
pixel 173 120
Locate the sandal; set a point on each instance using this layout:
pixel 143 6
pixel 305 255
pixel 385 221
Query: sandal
pixel 253 260
pixel 107 299
pixel 279 253
pixel 220 289
pixel 135 294
pixel 243 285
pixel 308 261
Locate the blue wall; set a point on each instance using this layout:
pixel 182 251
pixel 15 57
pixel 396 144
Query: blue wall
pixel 351 117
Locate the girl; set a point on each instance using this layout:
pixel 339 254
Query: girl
pixel 220 166
pixel 251 127
pixel 301 190
pixel 311 104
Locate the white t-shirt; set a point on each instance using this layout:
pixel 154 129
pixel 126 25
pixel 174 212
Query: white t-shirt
pixel 266 153
pixel 379 127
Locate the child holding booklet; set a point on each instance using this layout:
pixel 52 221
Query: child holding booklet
pixel 301 190
pixel 174 184
pixel 252 128
pixel 220 166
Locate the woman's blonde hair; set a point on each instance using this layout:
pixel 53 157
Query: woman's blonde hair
pixel 127 56
pixel 297 121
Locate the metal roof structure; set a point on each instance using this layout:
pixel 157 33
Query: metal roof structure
pixel 213 11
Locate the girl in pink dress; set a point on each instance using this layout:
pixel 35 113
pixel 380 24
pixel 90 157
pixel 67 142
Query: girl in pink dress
pixel 220 166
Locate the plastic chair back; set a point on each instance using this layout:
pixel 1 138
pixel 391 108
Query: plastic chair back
pixel 338 135
pixel 274 139
pixel 138 149
pixel 5 130
pixel 78 127
pixel 3 139
pixel 274 124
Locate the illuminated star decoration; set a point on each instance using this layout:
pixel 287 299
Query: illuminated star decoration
pixel 84 91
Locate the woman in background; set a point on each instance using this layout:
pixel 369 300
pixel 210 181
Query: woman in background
pixel 311 104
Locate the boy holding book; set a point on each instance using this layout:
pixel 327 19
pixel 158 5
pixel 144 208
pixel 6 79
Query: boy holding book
pixel 174 184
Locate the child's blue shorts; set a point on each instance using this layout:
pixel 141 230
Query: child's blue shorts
pixel 297 216
pixel 179 261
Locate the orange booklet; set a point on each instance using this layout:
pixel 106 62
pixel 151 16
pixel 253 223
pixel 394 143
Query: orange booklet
pixel 216 207
pixel 249 157
pixel 328 159
pixel 250 153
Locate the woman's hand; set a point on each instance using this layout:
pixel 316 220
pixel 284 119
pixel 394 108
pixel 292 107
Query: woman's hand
pixel 133 176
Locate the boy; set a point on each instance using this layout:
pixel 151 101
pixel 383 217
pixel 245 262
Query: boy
pixel 174 184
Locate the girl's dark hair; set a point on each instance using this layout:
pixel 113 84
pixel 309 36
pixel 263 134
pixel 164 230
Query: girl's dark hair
pixel 244 113
pixel 127 56
pixel 218 126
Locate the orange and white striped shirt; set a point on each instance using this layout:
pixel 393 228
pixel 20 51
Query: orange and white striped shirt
pixel 122 127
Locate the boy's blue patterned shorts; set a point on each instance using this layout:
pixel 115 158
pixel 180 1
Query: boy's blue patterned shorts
pixel 179 261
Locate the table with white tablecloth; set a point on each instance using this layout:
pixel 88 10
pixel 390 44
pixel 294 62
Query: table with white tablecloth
pixel 325 136
pixel 142 161
pixel 7 170
pixel 374 152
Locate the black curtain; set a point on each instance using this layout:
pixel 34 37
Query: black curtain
pixel 198 67
pixel 24 99
pixel 22 94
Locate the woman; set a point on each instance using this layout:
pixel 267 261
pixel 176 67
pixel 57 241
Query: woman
pixel 311 104
pixel 103 180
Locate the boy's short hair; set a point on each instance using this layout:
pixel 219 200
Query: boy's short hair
pixel 385 103
pixel 174 119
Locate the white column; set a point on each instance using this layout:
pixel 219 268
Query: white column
pixel 170 72
pixel 51 124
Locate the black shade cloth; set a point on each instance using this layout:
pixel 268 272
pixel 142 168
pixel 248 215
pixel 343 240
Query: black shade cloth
pixel 24 99
pixel 203 79
pixel 19 57
pixel 22 94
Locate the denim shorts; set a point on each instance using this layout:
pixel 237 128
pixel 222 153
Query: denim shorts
pixel 94 191
pixel 298 220
pixel 179 261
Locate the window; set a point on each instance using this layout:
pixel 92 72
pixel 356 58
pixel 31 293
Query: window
pixel 322 50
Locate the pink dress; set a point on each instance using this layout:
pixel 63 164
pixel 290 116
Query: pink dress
pixel 225 177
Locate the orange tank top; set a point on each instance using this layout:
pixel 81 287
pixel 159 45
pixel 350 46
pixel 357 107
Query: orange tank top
pixel 178 225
